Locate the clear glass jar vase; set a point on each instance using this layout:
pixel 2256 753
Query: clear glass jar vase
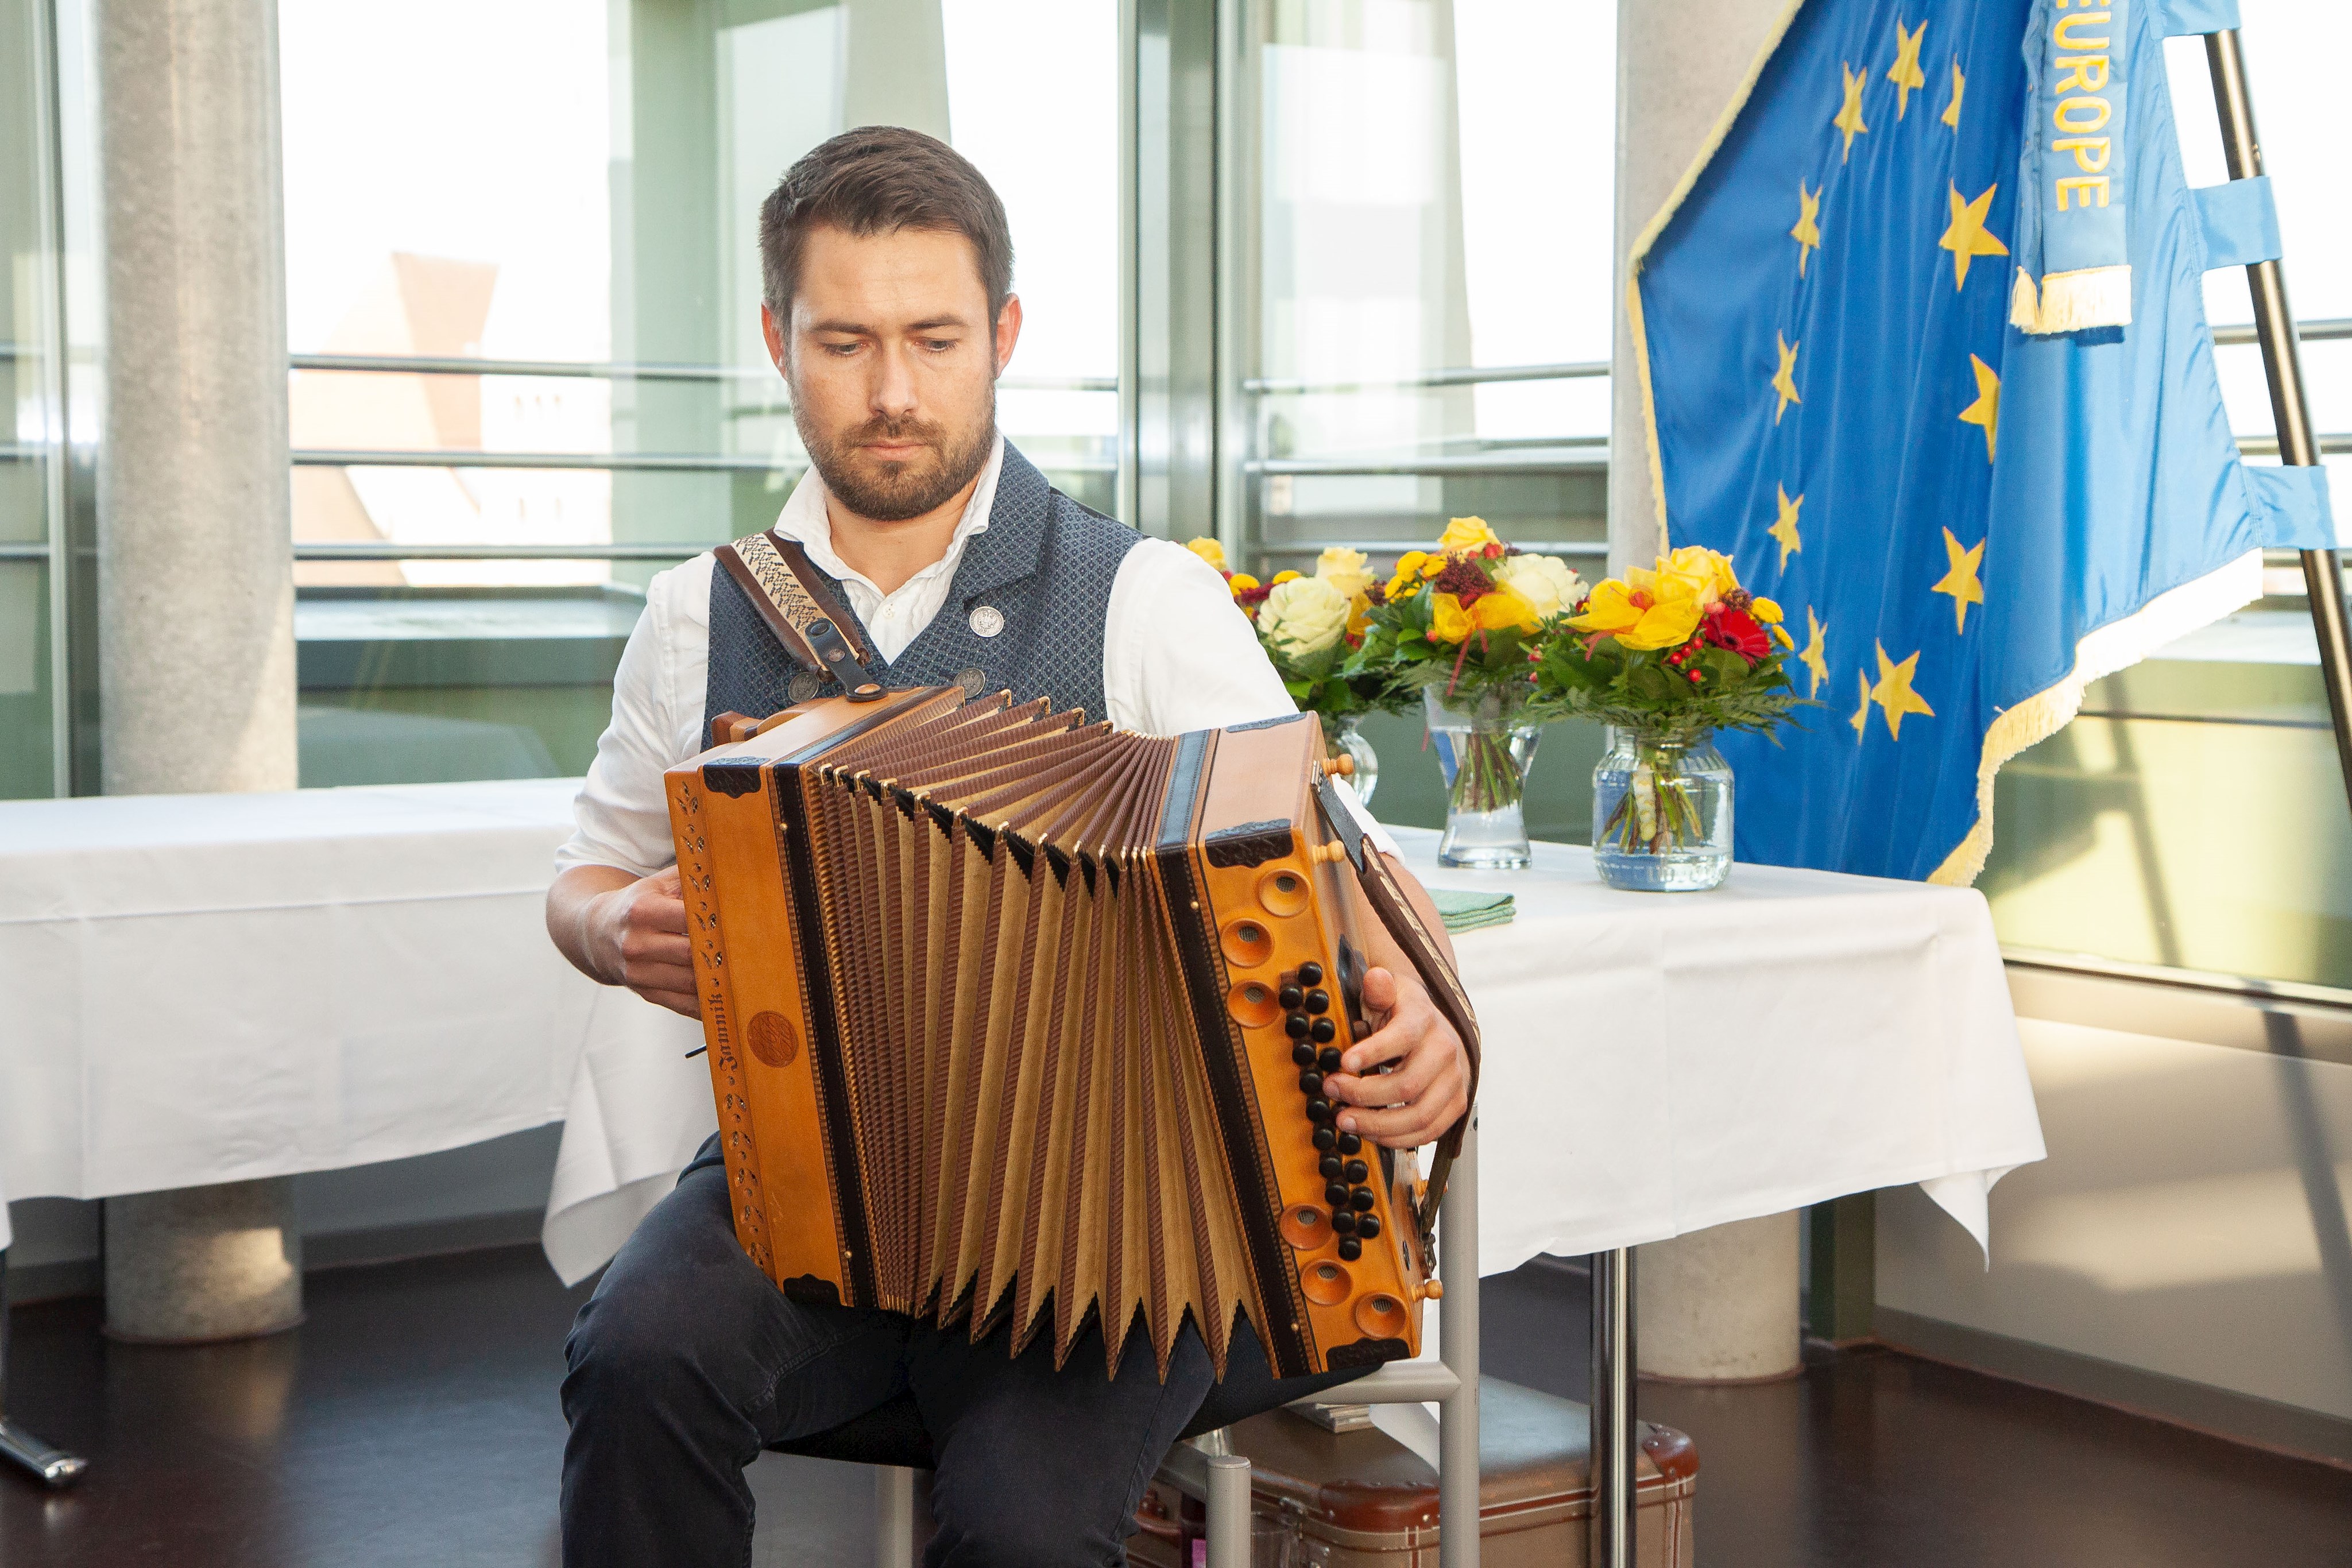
pixel 1343 736
pixel 1486 745
pixel 1662 812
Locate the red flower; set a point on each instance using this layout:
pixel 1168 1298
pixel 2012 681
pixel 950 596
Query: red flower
pixel 1738 631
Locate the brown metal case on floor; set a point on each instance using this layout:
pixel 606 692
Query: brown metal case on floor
pixel 1361 1500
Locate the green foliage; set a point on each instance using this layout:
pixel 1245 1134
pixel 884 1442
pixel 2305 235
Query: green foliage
pixel 1600 679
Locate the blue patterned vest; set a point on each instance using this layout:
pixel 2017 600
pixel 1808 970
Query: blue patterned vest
pixel 1045 564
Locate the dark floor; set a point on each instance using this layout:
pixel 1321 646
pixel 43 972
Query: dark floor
pixel 413 1422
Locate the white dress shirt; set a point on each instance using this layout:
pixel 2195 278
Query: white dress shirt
pixel 1178 655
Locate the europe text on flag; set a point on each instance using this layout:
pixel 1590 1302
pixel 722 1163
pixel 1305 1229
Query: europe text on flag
pixel 1924 350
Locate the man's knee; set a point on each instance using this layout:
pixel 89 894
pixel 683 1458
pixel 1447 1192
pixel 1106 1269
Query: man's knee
pixel 631 1344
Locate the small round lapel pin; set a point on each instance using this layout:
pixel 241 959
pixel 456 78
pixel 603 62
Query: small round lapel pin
pixel 987 621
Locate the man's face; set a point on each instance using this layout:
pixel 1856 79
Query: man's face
pixel 892 363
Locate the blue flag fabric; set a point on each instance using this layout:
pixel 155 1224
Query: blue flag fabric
pixel 1964 522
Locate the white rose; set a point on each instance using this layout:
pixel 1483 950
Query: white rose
pixel 1348 570
pixel 1303 617
pixel 1545 581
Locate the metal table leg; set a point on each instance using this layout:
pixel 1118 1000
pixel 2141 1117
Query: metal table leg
pixel 1457 1347
pixel 54 1466
pixel 1612 1408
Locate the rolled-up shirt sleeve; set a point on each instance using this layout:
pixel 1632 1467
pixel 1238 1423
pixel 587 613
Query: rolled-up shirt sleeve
pixel 620 818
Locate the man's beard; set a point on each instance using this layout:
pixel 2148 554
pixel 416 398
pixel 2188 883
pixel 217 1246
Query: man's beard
pixel 894 492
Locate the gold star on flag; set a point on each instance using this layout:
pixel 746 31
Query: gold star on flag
pixel 1961 582
pixel 1784 380
pixel 1893 693
pixel 1784 527
pixel 1848 115
pixel 1986 410
pixel 1905 74
pixel 1960 86
pixel 1968 237
pixel 1861 720
pixel 1817 661
pixel 1808 231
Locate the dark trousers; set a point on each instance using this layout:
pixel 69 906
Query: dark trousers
pixel 687 1361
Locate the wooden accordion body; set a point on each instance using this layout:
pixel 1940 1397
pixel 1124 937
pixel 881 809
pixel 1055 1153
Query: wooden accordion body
pixel 1012 1017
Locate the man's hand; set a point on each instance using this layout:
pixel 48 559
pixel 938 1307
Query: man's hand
pixel 1427 1085
pixel 626 931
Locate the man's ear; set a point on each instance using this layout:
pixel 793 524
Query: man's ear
pixel 1008 330
pixel 774 332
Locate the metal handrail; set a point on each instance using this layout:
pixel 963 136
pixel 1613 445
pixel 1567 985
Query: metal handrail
pixel 24 550
pixel 2326 330
pixel 1463 376
pixel 1592 452
pixel 2267 445
pixel 619 462
pixel 617 371
pixel 1398 546
pixel 387 550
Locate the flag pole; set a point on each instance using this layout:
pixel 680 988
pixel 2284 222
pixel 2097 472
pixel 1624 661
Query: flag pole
pixel 2282 366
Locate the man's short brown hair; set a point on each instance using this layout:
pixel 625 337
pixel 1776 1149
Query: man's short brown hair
pixel 878 179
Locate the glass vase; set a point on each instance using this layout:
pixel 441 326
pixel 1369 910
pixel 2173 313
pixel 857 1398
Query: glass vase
pixel 1343 737
pixel 1485 746
pixel 1662 813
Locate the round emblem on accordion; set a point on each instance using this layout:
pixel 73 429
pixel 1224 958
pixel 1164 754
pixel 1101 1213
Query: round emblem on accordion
pixel 773 1040
pixel 805 686
pixel 987 621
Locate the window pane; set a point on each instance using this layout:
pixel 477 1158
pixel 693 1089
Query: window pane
pixel 29 446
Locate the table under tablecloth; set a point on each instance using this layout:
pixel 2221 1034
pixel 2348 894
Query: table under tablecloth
pixel 204 988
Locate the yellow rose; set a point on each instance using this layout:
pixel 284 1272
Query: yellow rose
pixel 1464 535
pixel 1711 572
pixel 1639 614
pixel 1505 610
pixel 1448 622
pixel 1282 577
pixel 1348 570
pixel 1208 550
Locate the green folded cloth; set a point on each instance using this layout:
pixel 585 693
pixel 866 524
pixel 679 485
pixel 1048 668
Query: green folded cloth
pixel 1472 911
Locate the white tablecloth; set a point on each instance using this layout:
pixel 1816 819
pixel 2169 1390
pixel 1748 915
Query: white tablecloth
pixel 209 987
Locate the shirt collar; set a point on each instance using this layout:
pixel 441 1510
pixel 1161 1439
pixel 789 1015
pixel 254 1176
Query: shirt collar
pixel 805 519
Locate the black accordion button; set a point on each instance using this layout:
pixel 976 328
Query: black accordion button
pixel 1303 1054
pixel 1349 1144
pixel 1318 1001
pixel 1295 1026
pixel 1311 1081
pixel 1324 1137
pixel 1350 1249
pixel 1343 1222
pixel 1322 1030
pixel 1366 1225
pixel 1336 1194
pixel 1330 1167
pixel 1318 1110
pixel 1357 1171
pixel 1328 1059
pixel 1360 1199
pixel 1291 996
pixel 1310 974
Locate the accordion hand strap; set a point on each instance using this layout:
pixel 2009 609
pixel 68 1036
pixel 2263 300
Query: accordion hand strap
pixel 1396 913
pixel 786 588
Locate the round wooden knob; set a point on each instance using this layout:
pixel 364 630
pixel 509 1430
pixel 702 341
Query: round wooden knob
pixel 1343 765
pixel 1433 1290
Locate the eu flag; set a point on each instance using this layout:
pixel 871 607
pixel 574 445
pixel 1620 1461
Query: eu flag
pixel 1924 350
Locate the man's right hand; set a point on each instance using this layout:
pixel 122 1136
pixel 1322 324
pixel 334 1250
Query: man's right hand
pixel 626 931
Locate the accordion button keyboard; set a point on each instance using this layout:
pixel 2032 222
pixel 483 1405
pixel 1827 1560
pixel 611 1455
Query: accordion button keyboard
pixel 1323 1030
pixel 1311 1081
pixel 1336 1194
pixel 1303 1054
pixel 1310 974
pixel 1350 1144
pixel 1343 1222
pixel 1360 1199
pixel 1318 1110
pixel 1325 1138
pixel 1330 1167
pixel 1357 1171
pixel 1292 996
pixel 1350 1249
pixel 1328 1059
pixel 1295 1026
pixel 1318 1001
pixel 1368 1226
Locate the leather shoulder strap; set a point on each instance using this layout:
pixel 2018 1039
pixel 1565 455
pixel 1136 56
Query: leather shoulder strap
pixel 1396 913
pixel 792 597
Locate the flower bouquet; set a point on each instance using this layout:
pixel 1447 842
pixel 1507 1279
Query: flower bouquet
pixel 1310 626
pixel 1460 623
pixel 1666 657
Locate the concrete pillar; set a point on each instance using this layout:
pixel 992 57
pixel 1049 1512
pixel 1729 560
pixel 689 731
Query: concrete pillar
pixel 1720 1305
pixel 195 572
pixel 1677 68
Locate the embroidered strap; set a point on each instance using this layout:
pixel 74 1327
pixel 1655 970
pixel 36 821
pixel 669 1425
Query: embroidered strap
pixel 799 610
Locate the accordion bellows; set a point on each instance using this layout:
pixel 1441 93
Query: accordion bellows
pixel 1013 1018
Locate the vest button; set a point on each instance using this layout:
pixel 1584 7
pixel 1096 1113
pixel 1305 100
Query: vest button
pixel 972 681
pixel 987 621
